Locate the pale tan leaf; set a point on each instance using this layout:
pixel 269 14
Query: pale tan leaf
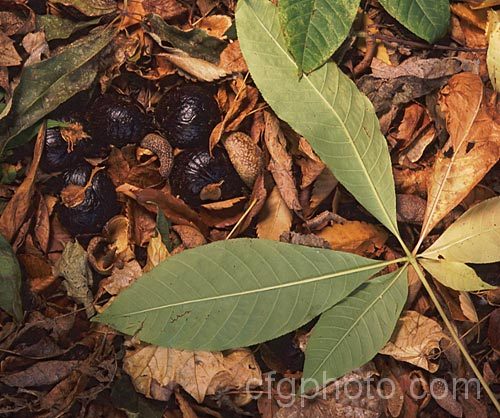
pixel 275 217
pixel 493 55
pixel 415 340
pixel 474 145
pixel 468 307
pixel 157 252
pixel 156 370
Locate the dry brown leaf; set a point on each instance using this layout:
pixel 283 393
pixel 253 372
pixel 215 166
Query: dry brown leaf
pixel 410 208
pixel 120 278
pixel 309 240
pixel 206 6
pixel 194 68
pixel 472 149
pixel 231 59
pixel 16 18
pixel 38 272
pixel 8 55
pixel 245 100
pixel 35 45
pixel 223 204
pixel 311 166
pixel 17 210
pixel 254 206
pixel 468 307
pixel 281 162
pixel 355 237
pixel 41 373
pixel 190 236
pixel 137 9
pixel 155 371
pixel 157 252
pixel 323 186
pixel 274 218
pixel 215 25
pixel 415 340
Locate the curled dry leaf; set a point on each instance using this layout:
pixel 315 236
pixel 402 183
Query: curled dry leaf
pixel 281 162
pixel 35 45
pixel 215 25
pixel 323 186
pixel 155 371
pixel 245 155
pixel 472 149
pixel 416 340
pixel 275 217
pixel 17 210
pixel 355 237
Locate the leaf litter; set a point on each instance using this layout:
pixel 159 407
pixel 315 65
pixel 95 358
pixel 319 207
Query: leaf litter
pixel 440 116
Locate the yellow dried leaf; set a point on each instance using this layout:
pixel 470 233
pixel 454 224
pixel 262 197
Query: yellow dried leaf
pixel 275 218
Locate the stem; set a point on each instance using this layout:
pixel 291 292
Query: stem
pixel 454 335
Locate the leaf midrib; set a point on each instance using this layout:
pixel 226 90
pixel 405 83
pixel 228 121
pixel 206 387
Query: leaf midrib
pixel 348 134
pixel 265 289
pixel 362 315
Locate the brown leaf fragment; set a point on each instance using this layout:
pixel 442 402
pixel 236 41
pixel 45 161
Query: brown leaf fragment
pixel 194 68
pixel 215 25
pixel 445 399
pixel 281 162
pixel 167 9
pixel 412 181
pixel 410 208
pixel 155 371
pixel 8 54
pixel 41 373
pixel 415 340
pixel 309 240
pixel 323 187
pixel 231 59
pixel 78 279
pixel 245 155
pixel 311 166
pixel 190 237
pixel 17 210
pixel 16 18
pixel 355 237
pixel 471 151
pixel 35 45
pixel 494 330
pixel 275 217
pixel 121 278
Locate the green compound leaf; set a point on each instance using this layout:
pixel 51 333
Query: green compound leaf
pixel 472 238
pixel 314 29
pixel 428 19
pixel 10 281
pixel 235 293
pixel 355 329
pixel 325 107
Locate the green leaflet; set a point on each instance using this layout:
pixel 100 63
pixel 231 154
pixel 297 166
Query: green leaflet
pixel 325 107
pixel 456 275
pixel 196 42
pixel 428 19
pixel 235 293
pixel 472 238
pixel 314 29
pixel 56 27
pixel 10 281
pixel 355 329
pixel 45 85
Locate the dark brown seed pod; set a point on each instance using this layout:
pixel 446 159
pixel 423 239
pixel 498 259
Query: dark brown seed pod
pixel 187 115
pixel 88 200
pixel 160 146
pixel 193 171
pixel 117 120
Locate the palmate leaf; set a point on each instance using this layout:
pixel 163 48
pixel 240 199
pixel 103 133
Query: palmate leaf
pixel 428 19
pixel 314 29
pixel 324 106
pixel 472 238
pixel 235 293
pixel 355 329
